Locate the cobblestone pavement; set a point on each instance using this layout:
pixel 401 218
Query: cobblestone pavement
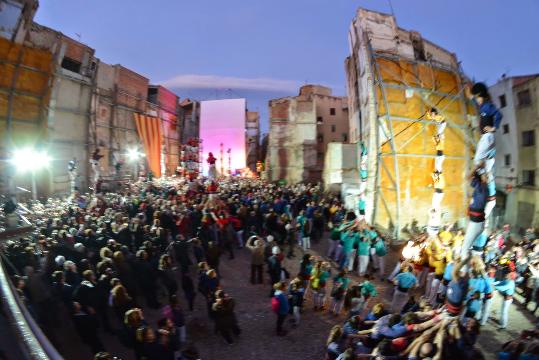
pixel 258 339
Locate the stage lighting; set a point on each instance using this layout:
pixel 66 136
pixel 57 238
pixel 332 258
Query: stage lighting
pixel 30 160
pixel 134 154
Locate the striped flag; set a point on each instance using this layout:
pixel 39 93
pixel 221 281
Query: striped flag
pixel 149 130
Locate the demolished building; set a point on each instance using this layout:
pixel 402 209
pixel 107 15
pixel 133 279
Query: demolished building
pixel 394 77
pixel 301 127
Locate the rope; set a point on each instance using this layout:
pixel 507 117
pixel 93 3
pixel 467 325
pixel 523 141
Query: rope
pixel 422 116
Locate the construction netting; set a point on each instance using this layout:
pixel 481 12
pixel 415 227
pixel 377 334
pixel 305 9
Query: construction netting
pixel 24 93
pixel 405 93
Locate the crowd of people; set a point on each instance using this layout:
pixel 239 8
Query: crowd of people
pixel 98 261
pixel 443 317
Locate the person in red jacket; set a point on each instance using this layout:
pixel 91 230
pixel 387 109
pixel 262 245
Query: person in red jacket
pixel 238 228
pixel 212 172
pixel 211 159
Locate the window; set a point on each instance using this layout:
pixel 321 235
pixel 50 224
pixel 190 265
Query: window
pixel 332 111
pixel 528 138
pixel 320 138
pixel 344 137
pixel 319 120
pixel 505 128
pixel 524 98
pixel 152 95
pixel 503 102
pixel 333 128
pixel 507 159
pixel 528 177
pixel 71 65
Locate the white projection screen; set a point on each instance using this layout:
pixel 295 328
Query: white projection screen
pixel 223 122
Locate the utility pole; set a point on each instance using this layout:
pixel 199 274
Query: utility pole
pixel 222 160
pixel 229 152
pixel 200 157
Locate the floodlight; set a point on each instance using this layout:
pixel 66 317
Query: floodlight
pixel 134 154
pixel 28 159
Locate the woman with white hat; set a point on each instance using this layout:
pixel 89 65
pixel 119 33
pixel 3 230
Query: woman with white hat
pixel 256 246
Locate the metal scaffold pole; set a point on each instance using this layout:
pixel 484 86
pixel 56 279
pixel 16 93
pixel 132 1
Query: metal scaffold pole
pixel 221 159
pixel 378 81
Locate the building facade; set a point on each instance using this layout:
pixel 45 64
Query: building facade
pixel 516 150
pixel 18 19
pixel 252 139
pixel 120 94
pixel 507 165
pixel 163 104
pixel 189 112
pixel 56 96
pixel 526 94
pixel 393 76
pixel 26 75
pixel 300 129
pixel 68 112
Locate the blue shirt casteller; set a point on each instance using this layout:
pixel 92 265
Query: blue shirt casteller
pixel 406 280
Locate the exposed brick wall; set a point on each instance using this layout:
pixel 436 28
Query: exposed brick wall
pixel 167 99
pixel 314 89
pixel 304 106
pixel 75 50
pixel 279 110
pixel 134 84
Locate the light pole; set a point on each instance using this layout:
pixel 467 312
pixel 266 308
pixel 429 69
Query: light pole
pixel 222 161
pixel 229 152
pixel 134 156
pixel 30 160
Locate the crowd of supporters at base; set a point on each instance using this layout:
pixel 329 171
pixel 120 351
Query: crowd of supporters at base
pixel 454 300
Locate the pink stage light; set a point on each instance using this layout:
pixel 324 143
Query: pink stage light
pixel 223 122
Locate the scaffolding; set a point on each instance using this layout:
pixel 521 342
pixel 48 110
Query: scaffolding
pixel 400 132
pixel 396 88
pixel 25 87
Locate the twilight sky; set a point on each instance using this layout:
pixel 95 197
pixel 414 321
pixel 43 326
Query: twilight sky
pixel 262 49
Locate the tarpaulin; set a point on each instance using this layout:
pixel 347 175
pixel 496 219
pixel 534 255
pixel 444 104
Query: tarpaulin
pixel 149 130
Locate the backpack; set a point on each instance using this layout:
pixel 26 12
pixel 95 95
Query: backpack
pixel 275 304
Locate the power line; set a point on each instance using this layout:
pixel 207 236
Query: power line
pixel 391 7
pixel 422 116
